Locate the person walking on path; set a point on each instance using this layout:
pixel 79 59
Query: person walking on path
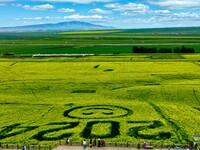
pixel 144 144
pixel 95 142
pixel 138 146
pixel 196 146
pixel 90 143
pixel 24 146
pixel 84 144
pixel 67 141
pixel 190 145
pixel 99 142
pixel 102 142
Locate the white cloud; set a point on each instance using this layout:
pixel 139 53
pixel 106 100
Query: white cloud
pixel 66 10
pixel 129 8
pixel 47 17
pixel 38 7
pixel 25 22
pixel 80 17
pixel 99 11
pixel 35 18
pixel 177 19
pixel 27 18
pixel 170 20
pixel 161 11
pixel 187 15
pixel 127 13
pixel 177 4
pixel 75 1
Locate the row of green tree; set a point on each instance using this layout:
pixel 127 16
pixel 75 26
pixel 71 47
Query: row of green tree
pixel 183 49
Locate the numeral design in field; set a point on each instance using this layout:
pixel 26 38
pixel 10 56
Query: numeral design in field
pixel 114 130
pixel 100 124
pixel 14 129
pixel 146 125
pixel 53 128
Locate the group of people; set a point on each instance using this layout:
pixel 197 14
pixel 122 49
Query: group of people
pixel 24 146
pixel 193 146
pixel 96 142
pixel 99 143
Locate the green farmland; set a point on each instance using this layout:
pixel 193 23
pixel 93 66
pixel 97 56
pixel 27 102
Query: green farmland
pixel 117 94
pixel 108 41
pixel 44 100
pixel 139 36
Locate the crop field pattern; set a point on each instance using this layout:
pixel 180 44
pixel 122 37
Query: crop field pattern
pixel 43 102
pixel 172 38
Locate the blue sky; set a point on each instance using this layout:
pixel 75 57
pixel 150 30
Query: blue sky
pixel 116 13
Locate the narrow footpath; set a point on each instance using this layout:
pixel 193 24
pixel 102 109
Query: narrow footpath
pixel 99 148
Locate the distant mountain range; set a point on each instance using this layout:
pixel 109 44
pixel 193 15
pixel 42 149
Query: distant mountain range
pixel 62 26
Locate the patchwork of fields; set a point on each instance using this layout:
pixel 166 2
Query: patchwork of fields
pixel 46 100
pixel 164 38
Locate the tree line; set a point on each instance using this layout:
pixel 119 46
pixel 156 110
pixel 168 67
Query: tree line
pixel 183 49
